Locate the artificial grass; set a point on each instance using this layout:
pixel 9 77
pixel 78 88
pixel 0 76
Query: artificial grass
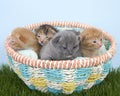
pixel 11 85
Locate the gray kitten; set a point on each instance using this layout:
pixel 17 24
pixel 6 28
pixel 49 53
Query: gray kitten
pixel 65 45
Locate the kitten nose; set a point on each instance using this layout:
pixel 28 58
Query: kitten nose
pixel 70 52
pixel 100 45
pixel 41 41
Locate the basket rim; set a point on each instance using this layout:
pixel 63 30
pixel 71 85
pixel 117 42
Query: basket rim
pixel 63 64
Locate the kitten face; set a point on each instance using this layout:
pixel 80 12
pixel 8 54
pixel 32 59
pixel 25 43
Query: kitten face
pixel 67 44
pixel 92 39
pixel 44 38
pixel 16 43
pixel 93 43
pixel 44 33
pixel 22 38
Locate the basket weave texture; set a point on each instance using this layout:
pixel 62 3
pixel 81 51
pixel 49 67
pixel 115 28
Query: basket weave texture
pixel 65 76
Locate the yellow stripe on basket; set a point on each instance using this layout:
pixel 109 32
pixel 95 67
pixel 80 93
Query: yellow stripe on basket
pixel 8 63
pixel 39 82
pixel 18 73
pixel 68 87
pixel 93 77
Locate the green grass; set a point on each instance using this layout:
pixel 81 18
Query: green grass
pixel 11 85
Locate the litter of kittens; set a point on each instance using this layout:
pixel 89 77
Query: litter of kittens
pixel 62 76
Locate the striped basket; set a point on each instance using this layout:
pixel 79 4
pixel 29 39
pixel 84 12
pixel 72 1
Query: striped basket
pixel 65 76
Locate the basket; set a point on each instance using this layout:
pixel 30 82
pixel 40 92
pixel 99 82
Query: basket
pixel 65 76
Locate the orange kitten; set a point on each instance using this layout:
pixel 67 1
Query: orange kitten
pixel 92 41
pixel 44 33
pixel 22 38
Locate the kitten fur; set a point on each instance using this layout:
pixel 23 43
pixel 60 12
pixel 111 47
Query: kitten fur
pixel 44 33
pixel 92 41
pixel 22 38
pixel 63 46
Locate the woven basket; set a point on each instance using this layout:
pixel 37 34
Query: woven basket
pixel 65 76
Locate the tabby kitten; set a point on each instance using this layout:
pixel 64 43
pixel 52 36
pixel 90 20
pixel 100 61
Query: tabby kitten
pixel 22 38
pixel 92 41
pixel 44 33
pixel 63 46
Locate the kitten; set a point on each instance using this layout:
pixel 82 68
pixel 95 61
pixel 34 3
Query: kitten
pixel 44 33
pixel 22 38
pixel 92 41
pixel 63 46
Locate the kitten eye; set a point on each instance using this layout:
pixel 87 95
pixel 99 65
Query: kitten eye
pixel 94 41
pixel 38 36
pixel 75 47
pixel 47 37
pixel 12 41
pixel 64 47
pixel 101 39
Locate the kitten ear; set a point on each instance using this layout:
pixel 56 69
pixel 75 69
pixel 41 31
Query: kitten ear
pixel 56 40
pixel 77 33
pixel 79 36
pixel 82 37
pixel 22 38
pixel 54 31
pixel 36 30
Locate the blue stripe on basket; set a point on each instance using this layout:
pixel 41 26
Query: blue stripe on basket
pixel 53 75
pixel 82 73
pixel 54 90
pixel 31 87
pixel 24 69
pixel 10 60
pixel 98 82
pixel 106 67
pixel 79 88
